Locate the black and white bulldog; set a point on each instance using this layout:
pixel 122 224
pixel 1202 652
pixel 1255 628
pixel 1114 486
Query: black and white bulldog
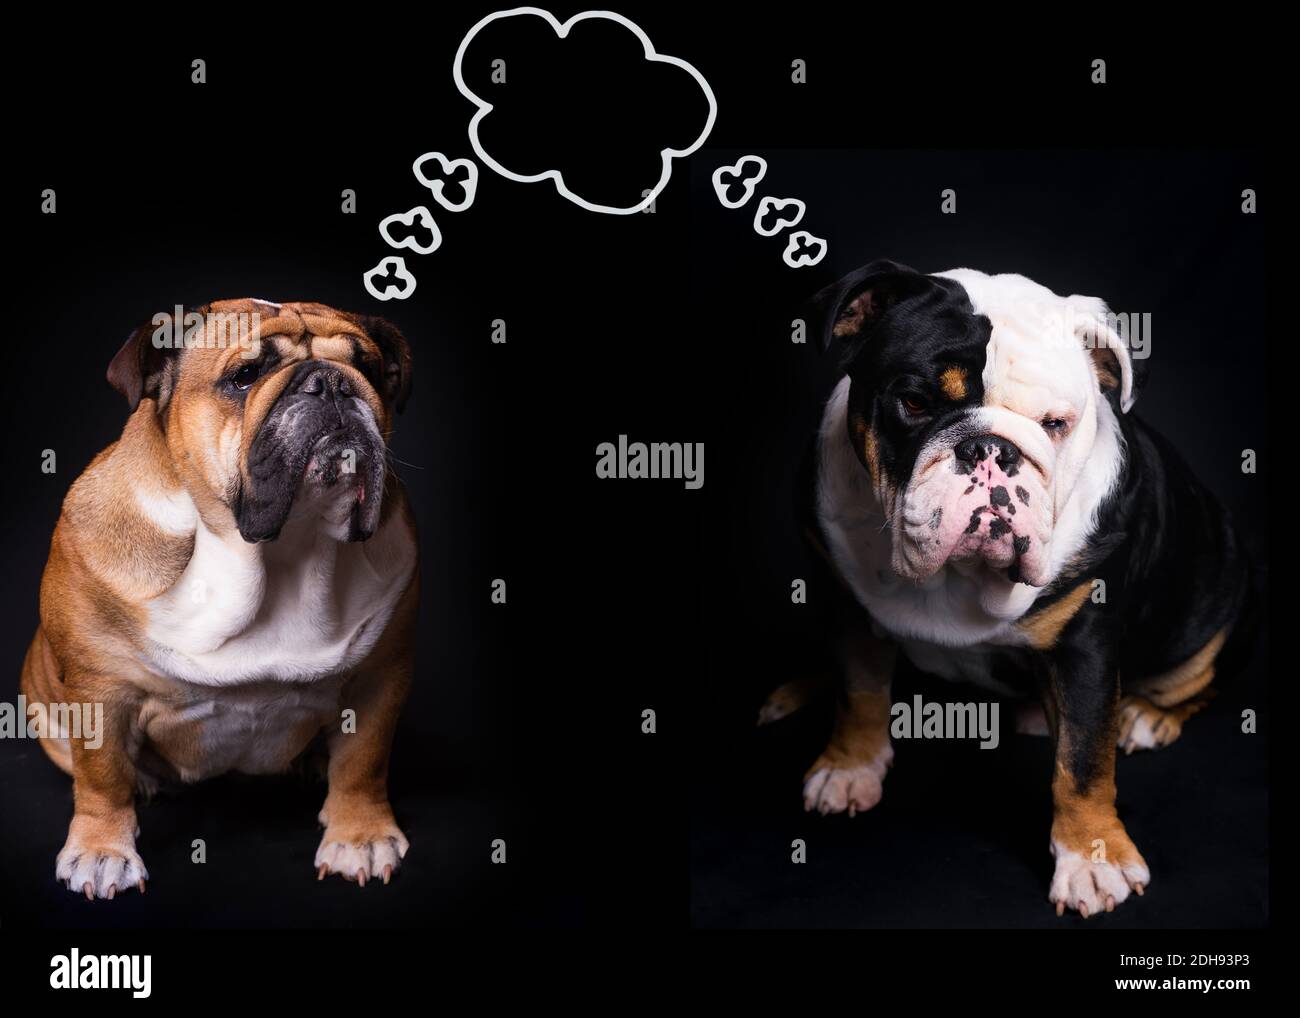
pixel 985 495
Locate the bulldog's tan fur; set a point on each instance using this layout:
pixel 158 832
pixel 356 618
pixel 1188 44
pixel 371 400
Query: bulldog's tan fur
pixel 153 605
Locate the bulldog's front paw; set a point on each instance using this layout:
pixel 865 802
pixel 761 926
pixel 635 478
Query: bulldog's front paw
pixel 831 788
pixel 99 870
pixel 359 854
pixel 1089 886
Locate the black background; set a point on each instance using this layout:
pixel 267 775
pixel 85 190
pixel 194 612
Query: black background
pixel 668 327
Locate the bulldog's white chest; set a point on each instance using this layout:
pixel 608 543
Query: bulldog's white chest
pixel 948 610
pixel 302 608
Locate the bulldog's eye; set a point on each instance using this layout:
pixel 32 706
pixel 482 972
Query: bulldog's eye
pixel 1055 426
pixel 913 406
pixel 245 377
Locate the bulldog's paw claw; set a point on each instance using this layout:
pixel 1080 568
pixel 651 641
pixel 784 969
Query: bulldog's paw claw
pixel 1091 887
pixel 849 790
pixel 99 872
pixel 358 860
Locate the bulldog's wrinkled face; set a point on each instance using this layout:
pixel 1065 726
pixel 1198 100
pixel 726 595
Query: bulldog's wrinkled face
pixel 274 412
pixel 975 404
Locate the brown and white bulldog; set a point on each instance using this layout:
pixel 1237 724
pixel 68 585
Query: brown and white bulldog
pixel 233 577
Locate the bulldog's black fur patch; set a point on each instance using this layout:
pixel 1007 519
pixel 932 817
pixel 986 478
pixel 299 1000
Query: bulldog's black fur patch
pixel 905 339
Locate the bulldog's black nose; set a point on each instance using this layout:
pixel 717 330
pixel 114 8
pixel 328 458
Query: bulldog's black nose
pixel 322 381
pixel 981 447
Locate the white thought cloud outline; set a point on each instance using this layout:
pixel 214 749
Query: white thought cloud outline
pixel 399 269
pixel 561 30
pixel 408 218
pixel 799 261
pixel 769 203
pixel 751 183
pixel 469 184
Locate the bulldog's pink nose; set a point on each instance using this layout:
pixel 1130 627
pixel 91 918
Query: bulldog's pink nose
pixel 981 447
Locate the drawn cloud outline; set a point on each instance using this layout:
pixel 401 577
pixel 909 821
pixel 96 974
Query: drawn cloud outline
pixel 562 30
pixel 399 269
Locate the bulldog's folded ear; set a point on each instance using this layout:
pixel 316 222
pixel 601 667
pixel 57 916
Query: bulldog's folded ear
pixel 1112 357
pixel 143 368
pixel 849 309
pixel 137 370
pixel 397 358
